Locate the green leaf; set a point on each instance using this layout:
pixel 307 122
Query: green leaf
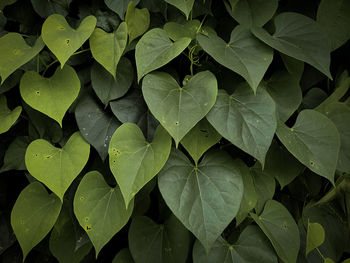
pixel 184 5
pixel 280 228
pixel 134 161
pixel 251 247
pixel 120 6
pixel 294 67
pixel 328 260
pixel 199 139
pixel 246 120
pixel 107 48
pixel 315 236
pixel 5 3
pixel 15 52
pixel 57 167
pixel 48 7
pixel 33 215
pixel 63 40
pixel 155 50
pixel 132 108
pixel 339 114
pixel 206 197
pixel 123 256
pixel 176 31
pixel 286 92
pixel 51 96
pixel 250 197
pixel 244 54
pixel 282 165
pixel 11 81
pixel 7 117
pixel 253 12
pixel 138 21
pixel 264 185
pixel 106 87
pixel 153 243
pixel 177 108
pixel 95 124
pixel 314 141
pixel 300 37
pixel 68 243
pixel 14 157
pixel 95 198
pixel 333 16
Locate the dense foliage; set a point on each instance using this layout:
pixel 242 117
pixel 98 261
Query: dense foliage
pixel 174 131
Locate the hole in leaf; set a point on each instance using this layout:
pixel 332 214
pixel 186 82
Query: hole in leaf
pixel 88 228
pixel 37 92
pixel 176 123
pixel 67 41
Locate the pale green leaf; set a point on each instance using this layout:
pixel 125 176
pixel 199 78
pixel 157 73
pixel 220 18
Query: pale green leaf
pixel 286 92
pixel 106 87
pixel 63 40
pixel 244 54
pixel 155 50
pixel 107 48
pixel 205 198
pixel 179 109
pixel 280 228
pixel 138 21
pixel 176 31
pixel 333 16
pixel 134 161
pixel 253 12
pixel 199 139
pixel 251 247
pixel 57 167
pixel 7 117
pixel 184 5
pixel 153 243
pixel 33 215
pixel 51 96
pixel 246 120
pixel 300 37
pixel 15 52
pixel 95 198
pixel 95 124
pixel 315 236
pixel 314 141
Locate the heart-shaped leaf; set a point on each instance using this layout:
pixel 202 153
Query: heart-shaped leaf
pixel 57 167
pixel 333 16
pixel 177 108
pixel 138 21
pixel 51 96
pixel 280 228
pixel 133 160
pixel 33 215
pixel 251 247
pixel 14 156
pixel 107 48
pixel 7 117
pixel 153 243
pixel 300 37
pixel 61 39
pixel 206 197
pixel 286 92
pixel 106 87
pixel 246 120
pixel 244 54
pixel 155 50
pixel 95 124
pixel 184 5
pixel 315 236
pixel 15 52
pixel 95 198
pixel 199 139
pixel 120 6
pixel 314 141
pixel 253 12
pixel 176 31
